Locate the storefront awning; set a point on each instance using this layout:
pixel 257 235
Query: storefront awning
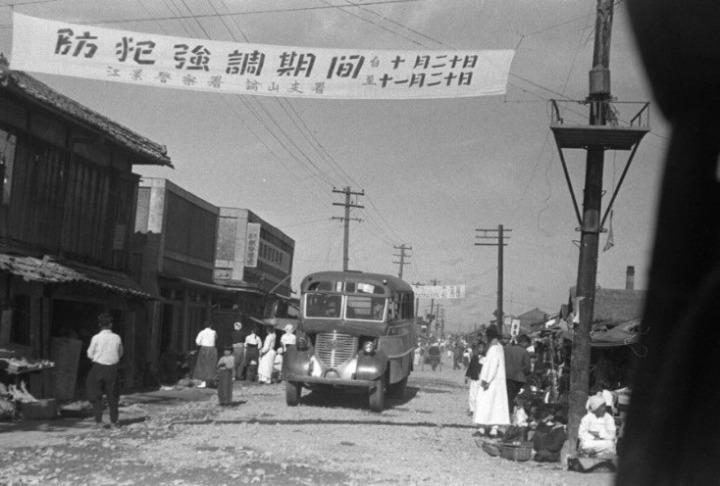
pixel 211 286
pixel 46 270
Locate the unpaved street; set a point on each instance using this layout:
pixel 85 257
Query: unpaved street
pixel 327 440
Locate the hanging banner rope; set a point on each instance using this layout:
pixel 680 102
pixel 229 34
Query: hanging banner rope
pixel 66 49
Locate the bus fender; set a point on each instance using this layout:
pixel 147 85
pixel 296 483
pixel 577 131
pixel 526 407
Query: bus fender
pixel 296 362
pixel 371 366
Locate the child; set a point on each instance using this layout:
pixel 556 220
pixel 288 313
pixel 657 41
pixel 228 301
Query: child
pixel 226 375
pixel 473 375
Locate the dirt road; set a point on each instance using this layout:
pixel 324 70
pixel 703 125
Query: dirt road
pixel 329 439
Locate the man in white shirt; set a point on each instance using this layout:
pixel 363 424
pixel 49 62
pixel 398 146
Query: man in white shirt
pixel 105 351
pixel 597 429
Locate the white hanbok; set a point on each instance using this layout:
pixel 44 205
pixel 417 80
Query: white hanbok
pixel 491 407
pixel 267 359
pixel 597 434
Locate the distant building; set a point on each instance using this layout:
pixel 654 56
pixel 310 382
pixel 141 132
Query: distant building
pixel 252 253
pixel 206 264
pixel 173 254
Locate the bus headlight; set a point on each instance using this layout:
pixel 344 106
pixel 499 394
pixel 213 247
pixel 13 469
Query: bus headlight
pixel 369 347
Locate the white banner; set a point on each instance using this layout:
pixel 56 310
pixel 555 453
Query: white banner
pixel 66 49
pixel 252 246
pixel 439 291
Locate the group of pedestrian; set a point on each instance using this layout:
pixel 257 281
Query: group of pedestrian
pixel 496 377
pixel 501 404
pixel 249 357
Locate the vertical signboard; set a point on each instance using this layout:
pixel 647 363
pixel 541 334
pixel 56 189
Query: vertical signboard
pixel 253 245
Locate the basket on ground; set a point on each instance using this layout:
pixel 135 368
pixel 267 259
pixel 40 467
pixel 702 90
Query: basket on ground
pixel 42 409
pixel 491 448
pixel 517 452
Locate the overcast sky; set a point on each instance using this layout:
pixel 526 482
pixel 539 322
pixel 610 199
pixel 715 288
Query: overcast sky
pixel 433 171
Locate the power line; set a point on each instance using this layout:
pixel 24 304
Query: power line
pixel 237 14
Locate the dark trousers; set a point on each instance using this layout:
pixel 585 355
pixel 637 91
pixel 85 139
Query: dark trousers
pixel 225 386
pixel 239 355
pixel 103 379
pixel 249 373
pixel 513 388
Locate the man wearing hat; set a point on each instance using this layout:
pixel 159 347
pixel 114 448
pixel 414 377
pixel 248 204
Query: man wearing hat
pixel 105 351
pixel 597 429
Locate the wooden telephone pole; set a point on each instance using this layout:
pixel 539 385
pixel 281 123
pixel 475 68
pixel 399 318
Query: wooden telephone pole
pixel 347 204
pixel 606 132
pixel 402 257
pixel 490 234
pixel 599 94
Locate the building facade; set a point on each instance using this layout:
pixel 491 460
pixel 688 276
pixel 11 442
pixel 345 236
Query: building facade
pixel 207 264
pixel 66 218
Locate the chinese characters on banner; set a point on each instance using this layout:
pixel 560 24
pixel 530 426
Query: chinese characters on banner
pixel 439 291
pixel 253 245
pixel 265 70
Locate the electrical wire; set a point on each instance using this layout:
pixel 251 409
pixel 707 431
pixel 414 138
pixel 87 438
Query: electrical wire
pixel 237 14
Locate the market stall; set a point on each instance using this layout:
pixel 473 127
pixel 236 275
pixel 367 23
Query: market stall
pixel 15 400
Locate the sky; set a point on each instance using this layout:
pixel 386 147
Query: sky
pixel 432 171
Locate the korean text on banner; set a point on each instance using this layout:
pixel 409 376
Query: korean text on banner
pixel 144 59
pixel 253 245
pixel 439 291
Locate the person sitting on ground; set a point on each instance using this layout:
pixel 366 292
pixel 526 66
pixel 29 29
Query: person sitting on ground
pixel 521 419
pixel 548 444
pixel 597 429
pixel 601 390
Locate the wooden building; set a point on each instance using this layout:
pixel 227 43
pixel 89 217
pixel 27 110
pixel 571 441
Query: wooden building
pixel 67 212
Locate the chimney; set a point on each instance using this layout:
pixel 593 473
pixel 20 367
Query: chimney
pixel 630 278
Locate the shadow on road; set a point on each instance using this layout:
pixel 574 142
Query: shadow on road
pixel 326 422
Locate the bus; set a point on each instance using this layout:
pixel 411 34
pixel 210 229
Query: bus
pixel 355 331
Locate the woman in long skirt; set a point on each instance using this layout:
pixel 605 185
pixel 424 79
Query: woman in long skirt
pixel 267 357
pixel 207 356
pixel 252 357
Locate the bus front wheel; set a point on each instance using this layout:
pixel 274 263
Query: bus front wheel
pixel 377 396
pixel 292 393
pixel 399 389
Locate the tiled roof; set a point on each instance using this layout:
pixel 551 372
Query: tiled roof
pixel 22 84
pixel 45 270
pixel 616 305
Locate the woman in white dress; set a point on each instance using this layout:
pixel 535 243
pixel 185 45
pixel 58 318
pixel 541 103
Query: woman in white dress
pixel 267 357
pixel 491 409
pixel 287 339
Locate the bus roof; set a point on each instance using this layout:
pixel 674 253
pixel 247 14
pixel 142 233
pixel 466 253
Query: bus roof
pixel 391 283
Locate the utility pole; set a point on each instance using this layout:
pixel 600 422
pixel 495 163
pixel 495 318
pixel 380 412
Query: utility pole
pixel 606 131
pixel 402 256
pixel 599 95
pixel 432 303
pixel 491 234
pixel 417 300
pixel 347 204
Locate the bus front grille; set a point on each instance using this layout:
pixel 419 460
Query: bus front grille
pixel 334 349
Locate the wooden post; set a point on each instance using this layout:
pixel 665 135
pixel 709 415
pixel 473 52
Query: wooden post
pixel 589 242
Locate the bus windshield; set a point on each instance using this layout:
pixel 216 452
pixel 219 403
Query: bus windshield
pixel 365 307
pixel 323 306
pixel 361 307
